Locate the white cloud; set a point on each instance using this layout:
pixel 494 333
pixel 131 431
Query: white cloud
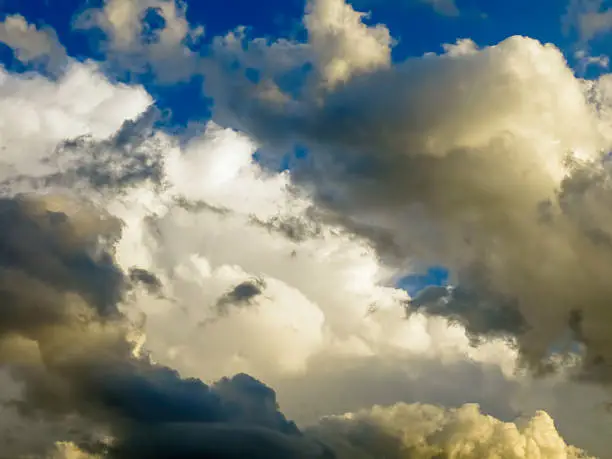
pixel 340 355
pixel 342 44
pixel 429 431
pixel 461 47
pixel 343 356
pixel 167 53
pixel 36 114
pixel 32 44
pixel 319 321
pixel 452 160
pixel 64 450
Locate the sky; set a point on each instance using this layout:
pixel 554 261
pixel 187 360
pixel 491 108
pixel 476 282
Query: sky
pixel 297 229
pixel 417 26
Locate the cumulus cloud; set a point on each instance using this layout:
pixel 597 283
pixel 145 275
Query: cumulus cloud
pixel 31 44
pixel 470 160
pixel 63 336
pixel 342 44
pixel 143 269
pixel 143 35
pixel 424 431
pixel 109 381
pixel 65 339
pixel 38 114
pixel 230 285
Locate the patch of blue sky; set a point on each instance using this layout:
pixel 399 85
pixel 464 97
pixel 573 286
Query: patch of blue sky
pixel 186 102
pixel 270 19
pixel 420 29
pixel 435 276
pixel 153 23
pixel 290 161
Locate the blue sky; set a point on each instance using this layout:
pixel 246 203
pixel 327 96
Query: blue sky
pixel 417 27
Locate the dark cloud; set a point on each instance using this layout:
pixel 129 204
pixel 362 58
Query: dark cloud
pixel 241 295
pixel 218 441
pixel 129 157
pixel 45 250
pixel 295 228
pixel 199 206
pixel 460 160
pixel 63 337
pixel 141 276
pixel 482 311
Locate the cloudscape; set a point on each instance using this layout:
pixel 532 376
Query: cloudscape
pixel 321 229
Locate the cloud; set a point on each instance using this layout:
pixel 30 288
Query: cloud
pixel 446 7
pixel 267 273
pixel 421 430
pixel 585 61
pixel 429 431
pixel 143 35
pixel 65 338
pixel 149 280
pixel 31 44
pixel 331 322
pixel 38 114
pixel 342 44
pixel 461 160
pixel 108 380
pixel 589 18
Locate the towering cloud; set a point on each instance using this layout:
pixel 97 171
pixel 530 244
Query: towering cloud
pixel 423 431
pixel 154 285
pixel 470 160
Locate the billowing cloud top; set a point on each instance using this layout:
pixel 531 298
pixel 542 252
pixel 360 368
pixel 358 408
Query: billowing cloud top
pixel 156 285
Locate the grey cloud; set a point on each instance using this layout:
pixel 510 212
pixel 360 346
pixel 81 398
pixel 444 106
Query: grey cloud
pixel 589 18
pixel 447 159
pixel 295 228
pixel 146 278
pixel 424 431
pixel 200 206
pixel 241 295
pixel 33 45
pixel 63 337
pixel 481 315
pixel 218 441
pixel 134 47
pixel 129 157
pixel 44 249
